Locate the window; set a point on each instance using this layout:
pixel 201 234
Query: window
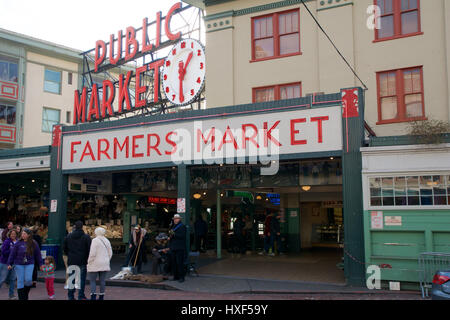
pixel 278 92
pixel 432 190
pixel 52 81
pixel 7 114
pixel 70 78
pixel 68 117
pixel 50 117
pixel 400 95
pixel 9 71
pixel 399 18
pixel 276 35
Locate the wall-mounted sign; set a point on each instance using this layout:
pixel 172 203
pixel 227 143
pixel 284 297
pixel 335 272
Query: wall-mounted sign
pixel 162 200
pixel 183 75
pixel 54 206
pixel 393 221
pixel 376 219
pixel 181 205
pixel 263 135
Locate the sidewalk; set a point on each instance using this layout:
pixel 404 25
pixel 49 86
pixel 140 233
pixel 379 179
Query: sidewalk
pixel 219 284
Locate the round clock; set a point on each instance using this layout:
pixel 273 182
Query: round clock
pixel 183 75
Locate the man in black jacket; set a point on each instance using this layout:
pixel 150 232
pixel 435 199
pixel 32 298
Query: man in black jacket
pixel 76 246
pixel 177 247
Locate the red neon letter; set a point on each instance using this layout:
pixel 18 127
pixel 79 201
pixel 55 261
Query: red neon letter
pixel 100 151
pixel 169 34
pixel 252 138
pixel 90 153
pixel 211 135
pixel 224 141
pixel 295 142
pixel 131 41
pixel 268 135
pixel 154 147
pixel 113 60
pixel 93 104
pixel 135 146
pixel 109 93
pixel 79 106
pixel 320 126
pixel 121 147
pixel 158 29
pixel 155 66
pixel 172 143
pixel 145 47
pixel 139 88
pixel 99 56
pixel 72 150
pixel 124 94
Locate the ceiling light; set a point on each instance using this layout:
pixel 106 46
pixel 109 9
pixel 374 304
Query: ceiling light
pixel 306 188
pixel 258 197
pixel 197 196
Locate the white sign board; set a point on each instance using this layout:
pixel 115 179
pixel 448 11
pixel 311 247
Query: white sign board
pixel 53 205
pixel 376 218
pixel 255 136
pixel 181 205
pixel 394 221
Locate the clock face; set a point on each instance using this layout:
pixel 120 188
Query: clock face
pixel 183 75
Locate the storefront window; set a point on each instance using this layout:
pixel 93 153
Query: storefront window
pixel 410 191
pixel 9 71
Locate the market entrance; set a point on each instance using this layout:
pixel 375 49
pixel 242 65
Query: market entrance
pixel 305 196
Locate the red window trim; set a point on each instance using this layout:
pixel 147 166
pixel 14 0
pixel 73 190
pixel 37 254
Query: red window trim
pixel 276 36
pixel 397 12
pixel 277 91
pixel 400 94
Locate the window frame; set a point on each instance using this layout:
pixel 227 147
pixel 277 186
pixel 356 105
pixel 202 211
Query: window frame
pixel 277 90
pixel 42 120
pixel 60 81
pixel 397 14
pixel 276 36
pixel 400 94
pixel 10 61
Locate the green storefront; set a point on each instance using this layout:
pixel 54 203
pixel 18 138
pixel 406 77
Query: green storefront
pixel 406 187
pixel 326 126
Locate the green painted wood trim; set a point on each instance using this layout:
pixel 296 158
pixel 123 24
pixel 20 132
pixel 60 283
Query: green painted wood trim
pixel 220 15
pixel 184 191
pixel 400 140
pixel 336 6
pixel 220 29
pixel 25 152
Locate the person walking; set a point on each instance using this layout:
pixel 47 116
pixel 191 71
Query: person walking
pixel 201 230
pixel 24 255
pixel 267 234
pixel 8 276
pixel 38 240
pixel 76 247
pixel 239 237
pixel 276 233
pixel 177 246
pixel 99 263
pixel 9 227
pixel 49 274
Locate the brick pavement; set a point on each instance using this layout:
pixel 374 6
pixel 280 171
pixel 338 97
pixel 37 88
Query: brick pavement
pixel 121 293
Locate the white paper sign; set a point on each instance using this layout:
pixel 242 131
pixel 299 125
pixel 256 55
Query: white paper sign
pixel 181 205
pixel 376 218
pixel 54 206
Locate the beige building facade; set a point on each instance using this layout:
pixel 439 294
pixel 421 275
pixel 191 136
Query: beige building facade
pixel 415 52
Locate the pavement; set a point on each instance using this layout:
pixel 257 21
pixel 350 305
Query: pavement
pixel 214 284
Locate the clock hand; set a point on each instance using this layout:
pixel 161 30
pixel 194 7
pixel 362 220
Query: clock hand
pixel 188 61
pixel 181 73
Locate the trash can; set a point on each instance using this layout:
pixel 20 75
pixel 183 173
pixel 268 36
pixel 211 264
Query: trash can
pixel 50 250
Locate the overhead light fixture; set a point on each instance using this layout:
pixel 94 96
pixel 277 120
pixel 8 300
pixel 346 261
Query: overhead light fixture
pixel 258 197
pixel 204 193
pixel 166 210
pixel 197 196
pixel 306 188
pixel 331 158
pixel 33 181
pixel 221 194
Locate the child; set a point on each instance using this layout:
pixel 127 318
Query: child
pixel 49 274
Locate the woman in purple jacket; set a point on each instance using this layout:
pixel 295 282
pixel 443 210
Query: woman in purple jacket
pixel 8 276
pixel 24 255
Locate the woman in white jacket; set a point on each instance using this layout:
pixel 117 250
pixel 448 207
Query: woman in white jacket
pixel 99 262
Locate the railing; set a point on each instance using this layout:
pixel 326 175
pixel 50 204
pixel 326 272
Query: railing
pixel 429 263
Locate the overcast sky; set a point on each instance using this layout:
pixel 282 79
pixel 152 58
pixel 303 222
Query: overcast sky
pixel 77 23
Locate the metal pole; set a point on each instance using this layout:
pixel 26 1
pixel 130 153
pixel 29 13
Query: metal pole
pixel 219 225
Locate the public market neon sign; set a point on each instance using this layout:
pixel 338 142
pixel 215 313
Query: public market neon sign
pixel 87 108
